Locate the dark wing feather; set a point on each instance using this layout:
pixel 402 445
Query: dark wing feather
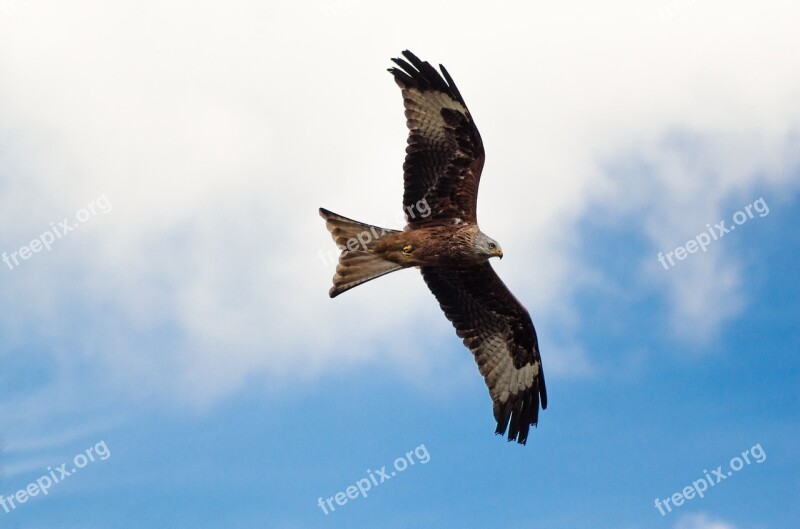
pixel 444 156
pixel 499 332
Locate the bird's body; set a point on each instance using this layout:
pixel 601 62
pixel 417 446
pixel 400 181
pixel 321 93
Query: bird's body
pixel 444 160
pixel 422 246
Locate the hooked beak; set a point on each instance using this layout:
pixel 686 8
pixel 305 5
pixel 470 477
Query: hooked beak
pixel 499 253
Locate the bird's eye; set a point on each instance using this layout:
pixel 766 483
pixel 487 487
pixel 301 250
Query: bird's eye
pixel 492 246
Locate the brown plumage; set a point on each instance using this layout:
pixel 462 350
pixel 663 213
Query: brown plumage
pixel 442 170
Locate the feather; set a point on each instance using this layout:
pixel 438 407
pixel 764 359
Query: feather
pixel 444 156
pixel 498 330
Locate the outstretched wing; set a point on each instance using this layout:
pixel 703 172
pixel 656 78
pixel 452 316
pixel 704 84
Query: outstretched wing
pixel 499 332
pixel 444 156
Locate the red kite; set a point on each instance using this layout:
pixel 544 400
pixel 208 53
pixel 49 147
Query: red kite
pixel 442 170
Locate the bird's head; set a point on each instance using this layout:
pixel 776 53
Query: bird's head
pixel 488 247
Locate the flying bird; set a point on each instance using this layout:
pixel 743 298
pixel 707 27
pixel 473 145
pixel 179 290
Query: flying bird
pixel 442 170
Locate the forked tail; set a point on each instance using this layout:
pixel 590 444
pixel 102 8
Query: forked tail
pixel 357 262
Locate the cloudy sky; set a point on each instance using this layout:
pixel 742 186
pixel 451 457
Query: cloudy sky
pixel 164 308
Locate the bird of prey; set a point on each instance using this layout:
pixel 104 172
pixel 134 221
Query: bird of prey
pixel 442 170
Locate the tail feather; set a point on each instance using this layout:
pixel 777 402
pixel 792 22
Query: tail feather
pixel 357 262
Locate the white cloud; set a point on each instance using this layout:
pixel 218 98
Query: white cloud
pixel 701 521
pixel 216 131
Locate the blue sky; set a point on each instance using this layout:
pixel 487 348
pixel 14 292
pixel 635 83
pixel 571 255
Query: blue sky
pixel 183 324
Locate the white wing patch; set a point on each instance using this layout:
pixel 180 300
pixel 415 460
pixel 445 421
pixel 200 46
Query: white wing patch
pixel 502 378
pixel 424 111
